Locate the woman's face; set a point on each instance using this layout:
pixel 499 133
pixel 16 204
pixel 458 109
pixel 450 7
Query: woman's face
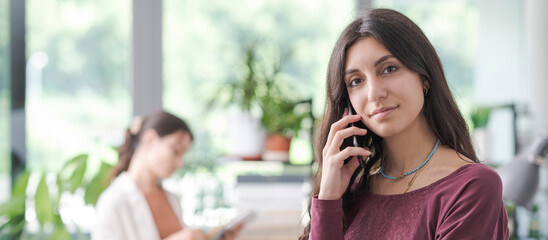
pixel 385 93
pixel 166 153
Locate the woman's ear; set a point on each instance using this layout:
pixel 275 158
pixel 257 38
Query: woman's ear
pixel 425 85
pixel 148 137
pixel 425 82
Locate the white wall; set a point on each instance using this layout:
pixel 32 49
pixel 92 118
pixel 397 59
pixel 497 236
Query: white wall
pixel 499 75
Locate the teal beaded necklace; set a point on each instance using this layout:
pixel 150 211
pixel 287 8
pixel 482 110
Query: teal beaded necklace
pixel 412 171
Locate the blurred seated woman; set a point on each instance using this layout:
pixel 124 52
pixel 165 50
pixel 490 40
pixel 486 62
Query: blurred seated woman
pixel 135 205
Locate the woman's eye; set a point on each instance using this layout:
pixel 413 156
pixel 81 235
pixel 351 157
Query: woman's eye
pixel 354 82
pixel 174 151
pixel 390 69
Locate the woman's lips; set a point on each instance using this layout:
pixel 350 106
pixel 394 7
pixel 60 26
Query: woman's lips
pixel 381 113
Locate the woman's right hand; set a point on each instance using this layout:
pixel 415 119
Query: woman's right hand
pixel 188 234
pixel 335 174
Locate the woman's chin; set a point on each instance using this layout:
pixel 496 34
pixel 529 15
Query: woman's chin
pixel 384 132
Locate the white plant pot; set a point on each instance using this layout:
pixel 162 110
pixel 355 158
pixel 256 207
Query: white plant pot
pixel 246 136
pixel 482 144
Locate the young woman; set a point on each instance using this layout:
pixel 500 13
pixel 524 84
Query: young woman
pixel 413 173
pixel 135 206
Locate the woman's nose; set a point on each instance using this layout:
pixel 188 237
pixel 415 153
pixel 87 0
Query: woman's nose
pixel 376 90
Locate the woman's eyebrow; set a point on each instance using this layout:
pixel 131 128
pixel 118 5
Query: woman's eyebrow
pixel 382 59
pixel 379 61
pixel 349 71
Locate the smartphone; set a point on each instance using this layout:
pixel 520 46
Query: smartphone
pixel 354 138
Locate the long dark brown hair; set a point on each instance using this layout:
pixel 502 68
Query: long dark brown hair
pixel 162 122
pixel 407 43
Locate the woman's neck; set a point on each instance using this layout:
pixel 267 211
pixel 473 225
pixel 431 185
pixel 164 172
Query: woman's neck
pixel 407 150
pixel 142 176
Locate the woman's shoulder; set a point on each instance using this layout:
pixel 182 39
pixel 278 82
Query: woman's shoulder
pixel 478 172
pixel 472 178
pixel 117 194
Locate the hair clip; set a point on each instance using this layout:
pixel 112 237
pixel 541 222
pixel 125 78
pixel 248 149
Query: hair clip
pixel 136 125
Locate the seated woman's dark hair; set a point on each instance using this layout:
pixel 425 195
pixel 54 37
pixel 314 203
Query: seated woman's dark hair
pixel 162 122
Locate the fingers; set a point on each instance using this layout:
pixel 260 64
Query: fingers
pixel 231 234
pixel 351 166
pixel 333 147
pixel 346 133
pixel 338 159
pixel 341 124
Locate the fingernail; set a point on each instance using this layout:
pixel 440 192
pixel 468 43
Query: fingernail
pixel 367 152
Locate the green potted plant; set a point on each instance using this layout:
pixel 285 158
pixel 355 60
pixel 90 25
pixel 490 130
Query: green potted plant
pixel 241 91
pixel 480 134
pixel 245 133
pixel 260 89
pixel 280 118
pixel 282 122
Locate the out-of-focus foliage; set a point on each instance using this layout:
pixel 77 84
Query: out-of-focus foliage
pixel 46 198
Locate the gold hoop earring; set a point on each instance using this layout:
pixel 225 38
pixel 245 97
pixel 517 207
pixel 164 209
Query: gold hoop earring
pixel 425 90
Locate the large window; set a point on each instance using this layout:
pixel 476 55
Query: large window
pixel 4 101
pixel 78 75
pixel 204 44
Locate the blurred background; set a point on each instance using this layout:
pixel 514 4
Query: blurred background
pixel 74 73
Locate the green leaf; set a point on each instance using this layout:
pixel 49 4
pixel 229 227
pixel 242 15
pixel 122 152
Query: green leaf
pixel 60 231
pixel 74 161
pixel 68 169
pixel 20 186
pixel 78 173
pixel 13 229
pixel 98 184
pixel 59 187
pixel 43 205
pixel 15 206
pixel 480 117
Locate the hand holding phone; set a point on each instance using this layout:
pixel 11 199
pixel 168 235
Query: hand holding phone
pixel 337 171
pixel 354 138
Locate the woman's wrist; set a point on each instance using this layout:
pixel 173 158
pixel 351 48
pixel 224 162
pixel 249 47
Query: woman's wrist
pixel 322 195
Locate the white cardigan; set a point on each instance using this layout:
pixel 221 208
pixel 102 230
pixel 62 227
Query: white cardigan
pixel 123 212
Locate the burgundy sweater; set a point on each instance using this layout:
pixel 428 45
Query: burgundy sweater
pixel 466 204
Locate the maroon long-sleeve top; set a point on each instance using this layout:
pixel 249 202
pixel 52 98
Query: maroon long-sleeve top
pixel 466 204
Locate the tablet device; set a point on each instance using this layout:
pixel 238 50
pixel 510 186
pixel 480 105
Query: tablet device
pixel 246 216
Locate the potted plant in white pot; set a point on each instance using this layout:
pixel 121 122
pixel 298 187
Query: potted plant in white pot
pixel 245 133
pixel 261 88
pixel 480 134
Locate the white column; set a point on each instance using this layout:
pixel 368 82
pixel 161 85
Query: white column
pixel 147 56
pixel 536 44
